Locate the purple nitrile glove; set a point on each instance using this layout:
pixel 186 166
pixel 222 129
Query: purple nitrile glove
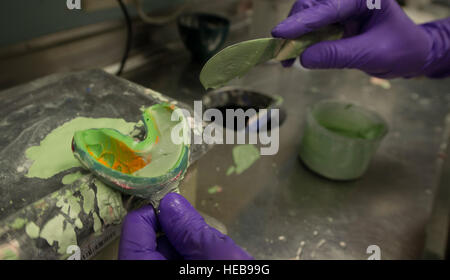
pixel 187 236
pixel 381 42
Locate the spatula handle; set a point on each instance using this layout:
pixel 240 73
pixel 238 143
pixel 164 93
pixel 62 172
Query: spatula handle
pixel 294 48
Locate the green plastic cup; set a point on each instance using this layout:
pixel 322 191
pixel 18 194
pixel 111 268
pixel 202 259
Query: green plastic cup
pixel 340 139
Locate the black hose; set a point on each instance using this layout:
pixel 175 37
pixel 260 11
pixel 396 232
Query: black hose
pixel 129 36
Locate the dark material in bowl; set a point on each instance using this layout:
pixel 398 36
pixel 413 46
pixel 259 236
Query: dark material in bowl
pixel 203 34
pixel 239 98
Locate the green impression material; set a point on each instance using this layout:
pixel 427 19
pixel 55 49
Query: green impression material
pixel 236 60
pixel 137 168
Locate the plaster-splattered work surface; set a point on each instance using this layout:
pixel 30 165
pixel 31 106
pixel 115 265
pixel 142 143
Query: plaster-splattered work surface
pixel 47 201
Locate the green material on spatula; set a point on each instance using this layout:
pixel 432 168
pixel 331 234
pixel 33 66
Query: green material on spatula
pixel 236 60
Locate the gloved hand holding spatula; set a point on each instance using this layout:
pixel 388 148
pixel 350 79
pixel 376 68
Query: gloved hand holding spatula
pixel 187 236
pixel 381 42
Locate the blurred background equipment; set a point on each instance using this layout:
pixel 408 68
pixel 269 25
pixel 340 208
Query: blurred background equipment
pixel 129 36
pixel 157 19
pixel 203 34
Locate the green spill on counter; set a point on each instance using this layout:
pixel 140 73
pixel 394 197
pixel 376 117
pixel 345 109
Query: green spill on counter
pixel 54 153
pixel 243 156
pixel 215 189
pixel 230 170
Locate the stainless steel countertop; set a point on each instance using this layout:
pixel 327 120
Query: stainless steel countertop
pixel 278 204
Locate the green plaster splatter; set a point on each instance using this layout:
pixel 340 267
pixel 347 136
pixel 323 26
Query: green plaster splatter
pixel 78 223
pixel 97 224
pixel 215 189
pixel 230 170
pixel 72 177
pixel 32 230
pixel 54 154
pixel 54 194
pixel 70 205
pixel 18 223
pixel 75 206
pixel 88 198
pixel 279 100
pixel 109 203
pixel 65 207
pixel 56 230
pixel 244 156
